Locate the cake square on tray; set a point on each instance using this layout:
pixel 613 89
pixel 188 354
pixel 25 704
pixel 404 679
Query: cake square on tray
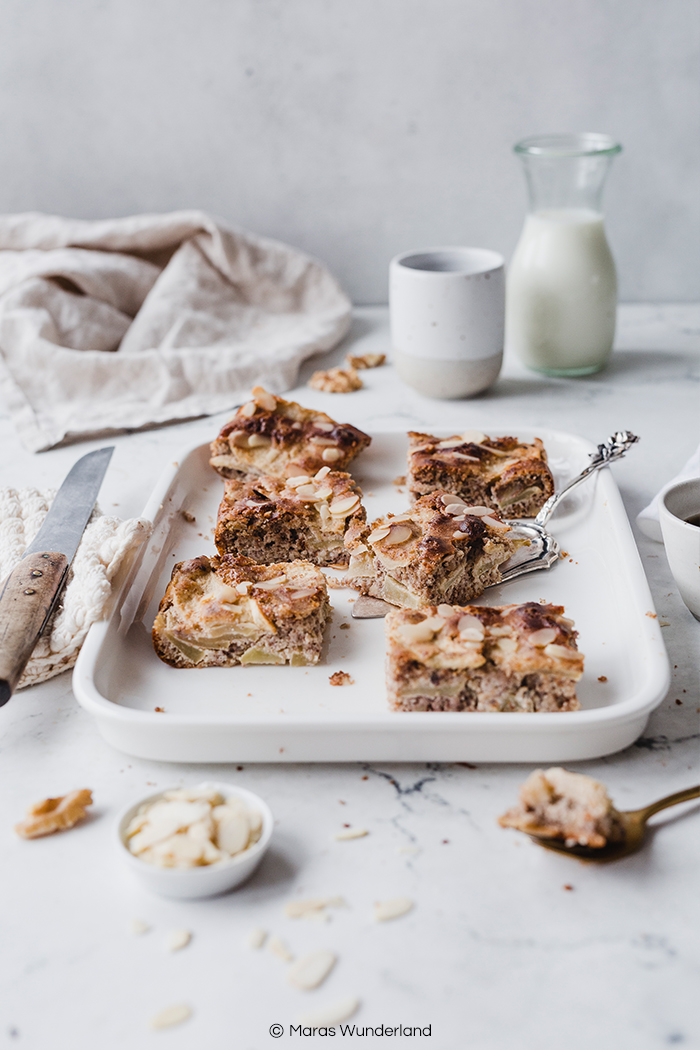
pixel 278 438
pixel 503 473
pixel 220 612
pixel 441 550
pixel 278 520
pixel 480 658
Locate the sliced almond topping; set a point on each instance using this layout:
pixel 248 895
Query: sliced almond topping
pixel 256 938
pixel 379 534
pixel 324 426
pixel 416 632
pixel 239 439
pixel 325 514
pixel 259 441
pixel 330 455
pixel 462 455
pixel 322 473
pixel 459 536
pixel 324 492
pixel 473 437
pixel 344 506
pixel 560 652
pixel 454 508
pixel 243 587
pixel 300 479
pixel 311 970
pixel 316 439
pixel 493 523
pixel 507 645
pixel 396 518
pixel 351 833
pixel 267 585
pixel 392 909
pixel 171 1015
pixel 448 498
pixel 445 611
pixel 494 451
pixel 306 490
pixel 264 398
pixel 398 534
pixel 178 939
pixel 471 623
pixel 470 634
pixel 248 409
pixel 302 592
pixel 478 512
pixel 451 442
pixel 542 637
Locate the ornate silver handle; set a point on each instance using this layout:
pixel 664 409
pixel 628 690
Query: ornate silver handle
pixel 614 448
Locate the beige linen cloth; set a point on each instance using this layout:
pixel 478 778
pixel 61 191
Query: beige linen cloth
pixel 105 554
pixel 121 323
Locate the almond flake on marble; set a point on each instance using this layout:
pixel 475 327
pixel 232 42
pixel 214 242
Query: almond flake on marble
pixel 351 833
pixel 312 969
pixel 278 948
pixel 328 1016
pixel 178 940
pixel 138 927
pixel 384 911
pixel 171 1015
pixel 304 909
pixel 256 938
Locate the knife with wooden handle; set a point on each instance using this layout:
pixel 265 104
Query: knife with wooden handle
pixel 29 594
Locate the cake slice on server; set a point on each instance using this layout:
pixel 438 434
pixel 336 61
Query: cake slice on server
pixel 441 550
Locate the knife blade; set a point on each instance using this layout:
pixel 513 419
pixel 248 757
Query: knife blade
pixel 30 592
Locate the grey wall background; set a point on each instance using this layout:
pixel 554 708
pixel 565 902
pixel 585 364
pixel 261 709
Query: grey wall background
pixel 356 129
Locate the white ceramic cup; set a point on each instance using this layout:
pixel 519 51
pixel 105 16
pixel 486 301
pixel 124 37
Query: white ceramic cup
pixel 682 540
pixel 447 309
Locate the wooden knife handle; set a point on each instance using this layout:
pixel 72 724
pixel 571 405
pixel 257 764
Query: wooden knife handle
pixel 26 602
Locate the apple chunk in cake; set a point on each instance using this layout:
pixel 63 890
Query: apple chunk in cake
pixel 275 520
pixel 475 658
pixel 558 804
pixel 276 438
pixel 219 612
pixel 503 473
pixel 440 551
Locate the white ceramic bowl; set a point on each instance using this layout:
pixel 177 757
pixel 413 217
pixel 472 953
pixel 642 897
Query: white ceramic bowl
pixel 208 880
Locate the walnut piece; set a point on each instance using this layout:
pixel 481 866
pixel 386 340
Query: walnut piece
pixel 341 678
pixel 365 360
pixel 336 381
pixel 55 814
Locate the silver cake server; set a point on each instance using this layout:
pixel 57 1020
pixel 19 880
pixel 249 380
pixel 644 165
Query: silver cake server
pixel 543 549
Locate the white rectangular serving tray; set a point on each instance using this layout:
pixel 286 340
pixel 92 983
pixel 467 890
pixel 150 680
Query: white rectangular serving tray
pixel 293 714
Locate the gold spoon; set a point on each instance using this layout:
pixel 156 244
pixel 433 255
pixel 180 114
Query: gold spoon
pixel 634 831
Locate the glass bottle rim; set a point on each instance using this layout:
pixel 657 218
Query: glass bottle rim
pixel 569 144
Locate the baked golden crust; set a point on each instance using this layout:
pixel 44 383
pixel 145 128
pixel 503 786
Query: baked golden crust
pixel 218 612
pixel 556 803
pixel 278 520
pixel 480 658
pixel 500 472
pixel 277 438
pixel 440 551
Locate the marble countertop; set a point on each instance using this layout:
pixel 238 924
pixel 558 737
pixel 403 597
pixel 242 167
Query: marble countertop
pixel 508 947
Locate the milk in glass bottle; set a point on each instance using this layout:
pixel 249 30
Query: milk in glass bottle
pixel 561 292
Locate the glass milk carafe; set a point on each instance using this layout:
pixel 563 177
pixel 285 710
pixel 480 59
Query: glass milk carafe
pixel 561 286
